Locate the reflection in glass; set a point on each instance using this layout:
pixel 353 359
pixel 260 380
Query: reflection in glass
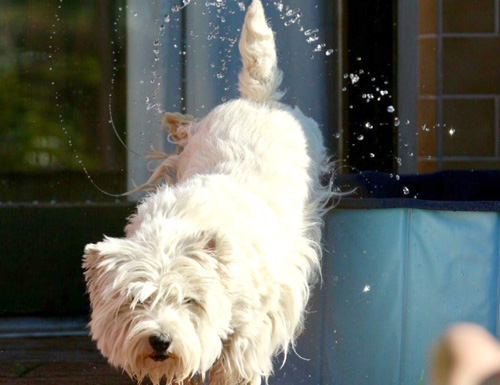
pixel 61 67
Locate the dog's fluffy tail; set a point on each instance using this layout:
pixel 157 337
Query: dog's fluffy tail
pixel 260 77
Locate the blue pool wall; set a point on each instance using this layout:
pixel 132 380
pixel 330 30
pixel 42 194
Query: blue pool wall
pixel 397 272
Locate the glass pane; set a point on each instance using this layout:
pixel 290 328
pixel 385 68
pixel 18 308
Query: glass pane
pixel 459 92
pixel 82 81
pixel 61 83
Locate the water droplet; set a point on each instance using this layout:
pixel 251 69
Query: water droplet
pixel 368 125
pixel 309 32
pixel 329 52
pixel 391 109
pixel 372 155
pixel 360 137
pixel 451 131
pixel 406 190
pixel 279 6
pixel 166 19
pixel 242 6
pixel 312 39
pixel 354 78
pixel 396 122
pixel 293 20
pixel 151 106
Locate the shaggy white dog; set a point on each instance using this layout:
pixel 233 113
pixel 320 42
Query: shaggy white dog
pixel 214 274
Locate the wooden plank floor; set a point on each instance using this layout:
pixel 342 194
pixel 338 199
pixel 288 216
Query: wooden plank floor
pixel 55 361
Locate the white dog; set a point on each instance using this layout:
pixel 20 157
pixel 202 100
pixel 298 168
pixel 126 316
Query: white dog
pixel 214 274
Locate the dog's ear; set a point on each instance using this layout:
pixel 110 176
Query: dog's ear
pixel 176 125
pixel 218 245
pixel 95 254
pixel 211 244
pixel 91 257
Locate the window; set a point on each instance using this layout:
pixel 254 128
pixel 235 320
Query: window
pixel 62 69
pixel 62 81
pixel 435 62
pixel 458 94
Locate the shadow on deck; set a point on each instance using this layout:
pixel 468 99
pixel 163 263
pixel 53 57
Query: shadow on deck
pixel 55 361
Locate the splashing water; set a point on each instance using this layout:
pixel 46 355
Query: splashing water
pixel 177 8
pixel 116 50
pixel 290 16
pixel 294 17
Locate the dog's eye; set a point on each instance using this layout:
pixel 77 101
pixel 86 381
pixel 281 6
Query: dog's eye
pixel 188 301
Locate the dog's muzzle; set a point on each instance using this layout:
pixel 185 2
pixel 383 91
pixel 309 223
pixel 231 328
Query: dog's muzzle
pixel 160 345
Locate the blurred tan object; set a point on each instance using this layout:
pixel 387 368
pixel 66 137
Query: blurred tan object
pixel 466 355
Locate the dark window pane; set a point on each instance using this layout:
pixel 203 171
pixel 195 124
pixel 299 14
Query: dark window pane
pixel 61 73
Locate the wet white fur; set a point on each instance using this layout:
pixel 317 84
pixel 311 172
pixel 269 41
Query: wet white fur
pixel 238 234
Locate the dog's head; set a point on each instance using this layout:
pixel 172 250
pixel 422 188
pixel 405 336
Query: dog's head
pixel 159 299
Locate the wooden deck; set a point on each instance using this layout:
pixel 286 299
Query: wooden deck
pixel 55 361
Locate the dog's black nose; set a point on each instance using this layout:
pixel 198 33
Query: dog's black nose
pixel 159 343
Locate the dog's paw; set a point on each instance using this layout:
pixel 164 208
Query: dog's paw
pixel 176 125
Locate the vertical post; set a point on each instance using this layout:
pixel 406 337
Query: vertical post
pixel 439 86
pixel 153 82
pixel 407 85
